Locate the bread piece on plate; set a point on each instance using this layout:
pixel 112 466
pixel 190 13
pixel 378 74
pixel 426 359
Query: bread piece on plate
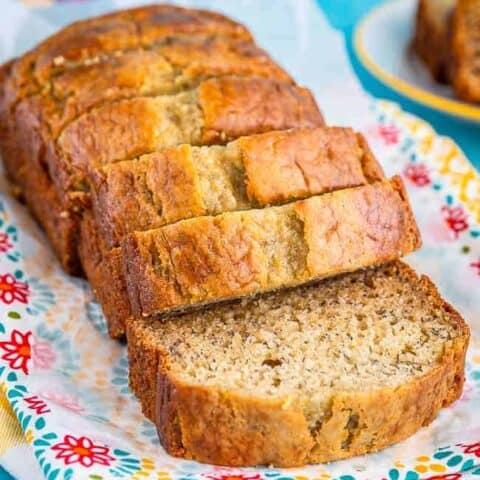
pixel 466 50
pixel 255 171
pixel 319 373
pixel 213 258
pixel 432 36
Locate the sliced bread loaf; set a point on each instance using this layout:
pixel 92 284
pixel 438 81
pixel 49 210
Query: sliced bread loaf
pixel 314 374
pixel 208 259
pixel 256 171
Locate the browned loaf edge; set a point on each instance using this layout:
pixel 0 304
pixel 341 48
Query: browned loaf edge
pixel 466 50
pixel 432 40
pixel 207 259
pixel 33 185
pixel 221 427
pixel 265 169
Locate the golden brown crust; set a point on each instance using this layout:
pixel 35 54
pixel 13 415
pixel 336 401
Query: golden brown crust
pixel 233 108
pixel 225 428
pixel 60 226
pixel 276 167
pixel 208 259
pixel 466 50
pixel 298 163
pixel 432 34
pixel 104 271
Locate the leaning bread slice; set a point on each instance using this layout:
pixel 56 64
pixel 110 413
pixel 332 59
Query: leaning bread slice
pixel 466 50
pixel 266 169
pixel 315 374
pixel 208 259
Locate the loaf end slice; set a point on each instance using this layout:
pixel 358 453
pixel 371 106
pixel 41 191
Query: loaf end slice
pixel 213 258
pixel 315 374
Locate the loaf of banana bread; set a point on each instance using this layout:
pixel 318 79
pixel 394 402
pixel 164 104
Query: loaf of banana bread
pixel 180 166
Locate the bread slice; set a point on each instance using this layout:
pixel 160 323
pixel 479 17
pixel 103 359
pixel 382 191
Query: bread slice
pixel 256 171
pixel 217 111
pixel 466 50
pixel 432 35
pixel 319 373
pixel 208 259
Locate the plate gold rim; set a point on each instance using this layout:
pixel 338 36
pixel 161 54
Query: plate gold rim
pixel 437 102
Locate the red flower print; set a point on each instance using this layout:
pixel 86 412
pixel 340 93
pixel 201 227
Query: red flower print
pixel 418 174
pixel 82 450
pixel 5 245
pixel 390 134
pixel 11 289
pixel 42 354
pixel 476 265
pixel 473 448
pixel 455 218
pixel 446 476
pixel 35 403
pixel 18 350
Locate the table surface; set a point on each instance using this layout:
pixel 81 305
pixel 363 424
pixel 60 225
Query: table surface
pixel 344 15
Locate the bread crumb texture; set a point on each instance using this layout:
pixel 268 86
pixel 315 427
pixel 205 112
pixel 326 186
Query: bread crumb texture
pixel 340 368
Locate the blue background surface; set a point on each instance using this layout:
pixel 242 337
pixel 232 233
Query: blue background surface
pixel 344 15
